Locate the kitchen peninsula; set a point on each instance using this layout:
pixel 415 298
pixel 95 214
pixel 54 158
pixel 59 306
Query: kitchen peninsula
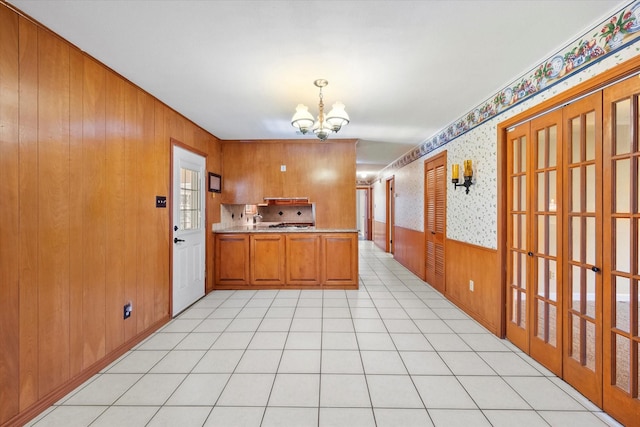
pixel 285 257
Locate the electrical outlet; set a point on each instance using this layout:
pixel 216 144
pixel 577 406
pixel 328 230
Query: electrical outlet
pixel 128 308
pixel 471 284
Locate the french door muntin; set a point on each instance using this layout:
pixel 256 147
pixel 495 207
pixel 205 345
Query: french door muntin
pixel 621 320
pixel 534 233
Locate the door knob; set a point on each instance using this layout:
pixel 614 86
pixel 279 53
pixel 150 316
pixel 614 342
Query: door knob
pixel 530 253
pixel 176 240
pixel 595 269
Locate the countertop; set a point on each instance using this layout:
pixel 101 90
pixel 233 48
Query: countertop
pixel 264 228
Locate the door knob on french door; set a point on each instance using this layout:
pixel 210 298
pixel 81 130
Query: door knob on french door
pixel 595 269
pixel 176 240
pixel 530 253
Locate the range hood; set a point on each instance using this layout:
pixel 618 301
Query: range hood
pixel 287 200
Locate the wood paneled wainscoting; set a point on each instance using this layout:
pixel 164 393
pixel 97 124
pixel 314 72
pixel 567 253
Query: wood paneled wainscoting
pixel 83 154
pixel 467 262
pixel 380 234
pixel 410 250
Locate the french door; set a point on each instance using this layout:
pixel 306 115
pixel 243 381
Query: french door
pixel 553 231
pixel 573 245
pixel 621 248
pixel 535 232
pixel 583 246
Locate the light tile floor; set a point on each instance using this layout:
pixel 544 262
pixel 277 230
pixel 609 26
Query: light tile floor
pixel 393 353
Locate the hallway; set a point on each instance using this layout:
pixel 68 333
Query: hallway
pixel 393 353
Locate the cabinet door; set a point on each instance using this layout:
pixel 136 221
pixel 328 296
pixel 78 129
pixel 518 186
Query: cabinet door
pixel 231 260
pixel 267 259
pixel 303 259
pixel 340 260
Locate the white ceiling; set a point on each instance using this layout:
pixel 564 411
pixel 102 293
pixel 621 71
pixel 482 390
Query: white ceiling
pixel 404 69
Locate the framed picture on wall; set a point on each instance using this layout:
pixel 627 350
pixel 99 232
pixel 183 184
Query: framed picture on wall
pixel 215 182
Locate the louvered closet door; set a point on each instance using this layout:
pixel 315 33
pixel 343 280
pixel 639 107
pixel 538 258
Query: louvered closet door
pixel 435 219
pixel 545 226
pixel 583 246
pixel 621 268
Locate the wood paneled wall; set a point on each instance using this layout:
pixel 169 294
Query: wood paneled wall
pixel 380 234
pixel 466 262
pixel 409 250
pixel 83 153
pixel 323 171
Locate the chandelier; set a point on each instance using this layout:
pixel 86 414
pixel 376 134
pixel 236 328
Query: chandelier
pixel 331 122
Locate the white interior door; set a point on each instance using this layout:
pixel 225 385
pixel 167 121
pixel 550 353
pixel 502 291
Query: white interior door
pixel 188 228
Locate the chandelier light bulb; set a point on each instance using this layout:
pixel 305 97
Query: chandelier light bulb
pixel 302 119
pixel 337 117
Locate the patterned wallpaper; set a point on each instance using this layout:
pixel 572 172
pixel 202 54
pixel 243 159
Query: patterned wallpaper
pixel 472 218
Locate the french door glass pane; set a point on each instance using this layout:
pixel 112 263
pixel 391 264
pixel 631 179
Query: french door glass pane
pixel 591 241
pixel 523 271
pixel 516 231
pixel 523 231
pixel 553 143
pixel 622 307
pixel 591 293
pixel 523 154
pixel 576 190
pixel 622 236
pixel 552 191
pixel 574 351
pixel 589 188
pixel 543 278
pixel 516 269
pixel 590 136
pixel 541 204
pixel 516 196
pixel 623 128
pixel 622 373
pixel 546 327
pixel 553 236
pixel 542 235
pixel 576 288
pixel 553 271
pixel 576 239
pixel 575 140
pixel 590 341
pixel 542 148
pixel 523 192
pixel 621 184
pixel 516 156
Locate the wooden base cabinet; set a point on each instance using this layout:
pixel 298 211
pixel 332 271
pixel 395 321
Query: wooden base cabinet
pixel 340 260
pixel 267 259
pixel 286 260
pixel 303 259
pixel 232 260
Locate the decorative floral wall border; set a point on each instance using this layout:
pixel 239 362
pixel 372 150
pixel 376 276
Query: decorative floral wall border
pixel 622 29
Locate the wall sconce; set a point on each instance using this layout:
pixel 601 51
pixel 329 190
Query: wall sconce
pixel 468 174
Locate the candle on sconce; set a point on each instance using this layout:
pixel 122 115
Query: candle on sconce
pixel 455 172
pixel 468 170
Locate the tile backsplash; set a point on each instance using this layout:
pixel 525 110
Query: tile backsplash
pixel 239 215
